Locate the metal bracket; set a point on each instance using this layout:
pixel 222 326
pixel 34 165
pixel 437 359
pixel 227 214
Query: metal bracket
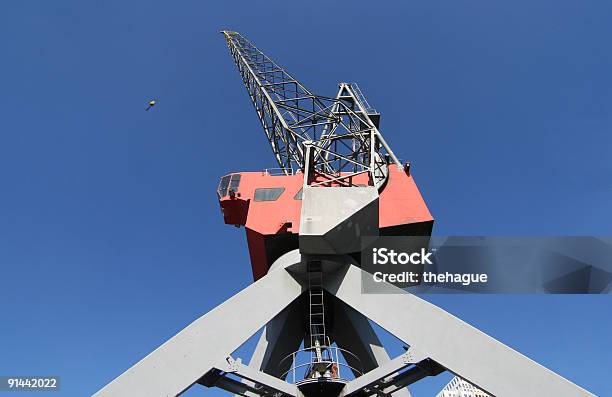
pixel 262 383
pixel 385 377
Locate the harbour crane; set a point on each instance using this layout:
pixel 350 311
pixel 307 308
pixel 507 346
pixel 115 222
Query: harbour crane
pixel 336 185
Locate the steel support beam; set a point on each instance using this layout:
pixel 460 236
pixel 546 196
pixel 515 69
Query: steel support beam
pixel 454 344
pixel 186 357
pixel 352 331
pixel 280 337
pixel 267 383
pixel 376 375
pixel 216 378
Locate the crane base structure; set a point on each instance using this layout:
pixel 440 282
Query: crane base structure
pixel 201 354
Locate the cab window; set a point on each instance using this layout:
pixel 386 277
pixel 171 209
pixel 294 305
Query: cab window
pixel 268 193
pixel 229 183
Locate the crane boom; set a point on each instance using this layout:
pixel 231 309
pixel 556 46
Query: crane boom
pixel 329 139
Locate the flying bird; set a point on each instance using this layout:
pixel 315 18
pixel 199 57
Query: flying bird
pixel 151 104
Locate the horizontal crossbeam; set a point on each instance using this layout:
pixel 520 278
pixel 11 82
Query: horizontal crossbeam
pixel 389 375
pixel 259 383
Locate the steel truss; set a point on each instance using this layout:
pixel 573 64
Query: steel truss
pixel 335 136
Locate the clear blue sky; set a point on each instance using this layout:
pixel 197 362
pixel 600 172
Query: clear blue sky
pixel 111 238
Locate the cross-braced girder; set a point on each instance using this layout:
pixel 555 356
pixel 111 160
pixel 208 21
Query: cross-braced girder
pixel 342 136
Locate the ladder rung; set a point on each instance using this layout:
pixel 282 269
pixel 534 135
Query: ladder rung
pixel 317 307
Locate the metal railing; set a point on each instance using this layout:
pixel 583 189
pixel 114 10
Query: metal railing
pixel 278 171
pixel 361 98
pixel 331 360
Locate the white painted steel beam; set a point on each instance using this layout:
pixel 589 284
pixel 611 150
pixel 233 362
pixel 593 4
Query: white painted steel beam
pixel 181 361
pixel 353 332
pixel 454 344
pixel 269 382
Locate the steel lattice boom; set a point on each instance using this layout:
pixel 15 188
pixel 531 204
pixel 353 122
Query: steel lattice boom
pixel 330 139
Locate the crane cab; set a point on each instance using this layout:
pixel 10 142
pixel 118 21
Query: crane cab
pixel 268 206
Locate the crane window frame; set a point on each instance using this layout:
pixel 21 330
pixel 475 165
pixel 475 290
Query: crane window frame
pixel 298 195
pixel 268 193
pixel 228 183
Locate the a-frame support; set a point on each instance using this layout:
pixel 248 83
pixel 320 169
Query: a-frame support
pixel 201 353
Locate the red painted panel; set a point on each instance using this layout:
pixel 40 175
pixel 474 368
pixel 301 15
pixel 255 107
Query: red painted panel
pixel 257 251
pixel 400 203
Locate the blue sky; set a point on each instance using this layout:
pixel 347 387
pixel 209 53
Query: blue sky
pixel 111 238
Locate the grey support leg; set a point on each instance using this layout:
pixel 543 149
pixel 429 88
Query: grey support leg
pixel 181 361
pixel 452 343
pixel 281 337
pixel 352 331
